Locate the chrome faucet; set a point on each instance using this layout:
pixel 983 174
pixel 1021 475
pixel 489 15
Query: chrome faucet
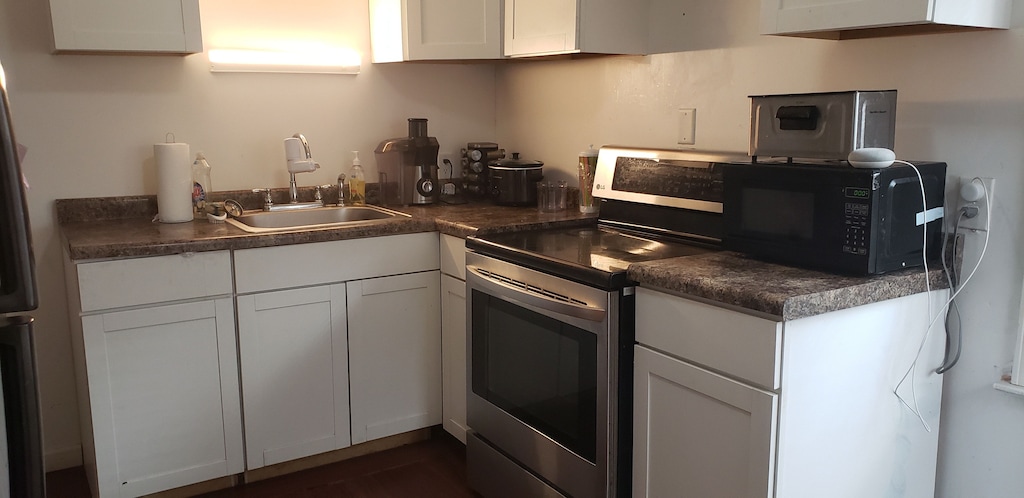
pixel 305 144
pixel 300 160
pixel 342 187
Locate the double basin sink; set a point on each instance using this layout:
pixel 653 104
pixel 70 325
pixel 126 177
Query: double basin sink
pixel 320 217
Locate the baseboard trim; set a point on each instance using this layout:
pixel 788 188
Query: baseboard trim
pixel 72 457
pixel 385 443
pixel 63 458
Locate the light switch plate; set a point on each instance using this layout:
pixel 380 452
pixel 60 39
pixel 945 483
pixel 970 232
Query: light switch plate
pixel 687 126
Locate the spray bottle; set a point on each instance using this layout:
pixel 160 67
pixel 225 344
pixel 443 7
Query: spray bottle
pixel 200 186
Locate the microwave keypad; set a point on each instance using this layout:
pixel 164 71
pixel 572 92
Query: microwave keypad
pixel 856 219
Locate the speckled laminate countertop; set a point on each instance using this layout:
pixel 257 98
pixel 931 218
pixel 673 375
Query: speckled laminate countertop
pixel 785 292
pixel 122 227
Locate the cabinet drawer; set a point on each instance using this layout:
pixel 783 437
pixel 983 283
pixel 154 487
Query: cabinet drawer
pixel 137 281
pixel 301 265
pixel 453 256
pixel 740 345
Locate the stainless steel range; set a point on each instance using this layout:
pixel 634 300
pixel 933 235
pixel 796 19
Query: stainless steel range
pixel 551 326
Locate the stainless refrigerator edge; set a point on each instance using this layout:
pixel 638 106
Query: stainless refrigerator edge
pixel 21 458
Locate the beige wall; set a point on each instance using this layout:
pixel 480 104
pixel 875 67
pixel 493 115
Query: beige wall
pixel 961 100
pixel 90 121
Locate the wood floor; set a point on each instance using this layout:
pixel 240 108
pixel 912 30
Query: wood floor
pixel 432 468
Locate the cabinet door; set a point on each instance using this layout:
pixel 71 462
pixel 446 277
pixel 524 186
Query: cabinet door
pixel 453 356
pixel 292 346
pixel 453 256
pixel 395 354
pixel 796 16
pixel 537 27
pixel 697 433
pixel 788 16
pixel 126 25
pixel 163 391
pixel 405 30
pixel 454 29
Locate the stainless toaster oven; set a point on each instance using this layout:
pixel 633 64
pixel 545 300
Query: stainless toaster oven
pixel 821 125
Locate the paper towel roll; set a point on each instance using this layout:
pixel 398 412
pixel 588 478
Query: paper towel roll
pixel 174 175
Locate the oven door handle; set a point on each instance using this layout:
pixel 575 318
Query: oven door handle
pixel 499 288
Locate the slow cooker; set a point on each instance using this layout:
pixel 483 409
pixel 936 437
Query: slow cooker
pixel 513 182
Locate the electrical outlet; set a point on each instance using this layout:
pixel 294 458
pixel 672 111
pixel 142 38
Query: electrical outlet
pixel 445 171
pixel 687 126
pixel 979 222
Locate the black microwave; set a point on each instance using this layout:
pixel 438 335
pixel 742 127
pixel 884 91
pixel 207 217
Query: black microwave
pixel 832 216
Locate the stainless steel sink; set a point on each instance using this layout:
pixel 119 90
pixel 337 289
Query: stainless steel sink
pixel 332 216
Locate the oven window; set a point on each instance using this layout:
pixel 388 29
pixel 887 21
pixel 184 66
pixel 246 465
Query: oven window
pixel 781 214
pixel 537 369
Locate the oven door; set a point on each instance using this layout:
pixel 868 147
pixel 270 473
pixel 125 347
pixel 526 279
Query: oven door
pixel 540 372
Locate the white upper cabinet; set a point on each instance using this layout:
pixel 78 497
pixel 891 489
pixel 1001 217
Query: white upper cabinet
pixel 167 26
pixel 409 30
pixel 842 18
pixel 550 27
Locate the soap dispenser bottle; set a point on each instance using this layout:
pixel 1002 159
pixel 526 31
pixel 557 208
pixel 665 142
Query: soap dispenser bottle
pixel 357 181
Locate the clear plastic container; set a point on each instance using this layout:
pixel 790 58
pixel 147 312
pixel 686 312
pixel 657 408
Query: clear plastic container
pixel 551 196
pixel 587 168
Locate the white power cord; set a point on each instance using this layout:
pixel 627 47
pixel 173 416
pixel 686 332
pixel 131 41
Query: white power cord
pixel 912 370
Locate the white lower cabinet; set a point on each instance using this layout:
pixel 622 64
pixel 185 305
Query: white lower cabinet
pixel 294 364
pixel 153 341
pixel 453 336
pixel 698 433
pixel 723 406
pixel 328 355
pixel 163 397
pixel 453 356
pixel 394 354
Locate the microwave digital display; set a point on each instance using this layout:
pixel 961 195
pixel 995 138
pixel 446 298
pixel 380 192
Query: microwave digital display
pixel 858 193
pixel 780 213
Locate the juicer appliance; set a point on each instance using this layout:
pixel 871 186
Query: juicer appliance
pixel 407 167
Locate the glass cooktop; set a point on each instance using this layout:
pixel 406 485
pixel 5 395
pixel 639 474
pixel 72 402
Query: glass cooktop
pixel 596 255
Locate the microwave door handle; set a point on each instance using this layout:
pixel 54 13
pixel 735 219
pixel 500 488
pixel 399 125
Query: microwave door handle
pixel 499 288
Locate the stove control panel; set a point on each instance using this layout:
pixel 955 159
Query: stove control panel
pixel 671 178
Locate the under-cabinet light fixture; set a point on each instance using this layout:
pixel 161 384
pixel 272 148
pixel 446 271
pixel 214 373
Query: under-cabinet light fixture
pixel 333 61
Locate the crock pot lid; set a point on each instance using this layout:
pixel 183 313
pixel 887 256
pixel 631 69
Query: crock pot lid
pixel 515 162
pixel 517 167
